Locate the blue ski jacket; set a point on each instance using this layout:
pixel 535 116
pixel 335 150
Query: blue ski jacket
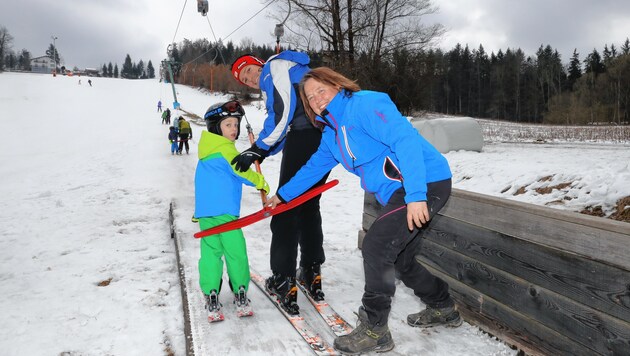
pixel 369 137
pixel 279 81
pixel 218 187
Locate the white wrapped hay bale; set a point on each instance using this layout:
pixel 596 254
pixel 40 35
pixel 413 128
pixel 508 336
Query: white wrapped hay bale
pixel 451 134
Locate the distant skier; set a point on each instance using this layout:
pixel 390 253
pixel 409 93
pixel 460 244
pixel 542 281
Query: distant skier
pixel 166 117
pixel 218 192
pixel 176 123
pixel 172 136
pixel 159 105
pixel 90 82
pixel 185 134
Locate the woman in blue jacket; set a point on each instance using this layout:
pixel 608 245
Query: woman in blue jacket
pixel 364 132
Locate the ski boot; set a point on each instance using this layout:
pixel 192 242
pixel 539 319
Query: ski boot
pixel 214 307
pixel 431 317
pixel 243 308
pixel 285 290
pixel 311 278
pixel 366 337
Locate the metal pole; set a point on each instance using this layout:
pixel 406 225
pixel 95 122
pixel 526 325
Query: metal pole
pixel 54 38
pixel 170 72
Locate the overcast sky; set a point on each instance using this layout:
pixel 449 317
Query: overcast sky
pixel 92 32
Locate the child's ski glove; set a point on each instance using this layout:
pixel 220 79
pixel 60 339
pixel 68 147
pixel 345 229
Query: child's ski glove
pixel 245 159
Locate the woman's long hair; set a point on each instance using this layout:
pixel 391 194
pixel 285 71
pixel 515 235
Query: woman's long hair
pixel 327 76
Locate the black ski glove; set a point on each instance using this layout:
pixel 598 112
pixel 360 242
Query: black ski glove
pixel 247 157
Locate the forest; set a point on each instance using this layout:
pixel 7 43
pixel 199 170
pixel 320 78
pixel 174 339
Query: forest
pixel 386 46
pixel 508 85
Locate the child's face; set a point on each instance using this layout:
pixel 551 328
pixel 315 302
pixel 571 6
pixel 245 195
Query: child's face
pixel 229 128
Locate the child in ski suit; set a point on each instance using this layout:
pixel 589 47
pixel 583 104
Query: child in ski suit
pixel 218 190
pixel 172 136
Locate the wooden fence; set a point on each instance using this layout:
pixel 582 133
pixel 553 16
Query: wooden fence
pixel 547 281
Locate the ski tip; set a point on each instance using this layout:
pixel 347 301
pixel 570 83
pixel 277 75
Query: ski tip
pixel 214 319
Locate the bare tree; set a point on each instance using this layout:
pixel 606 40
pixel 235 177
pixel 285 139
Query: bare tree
pixel 343 29
pixel 395 24
pixel 5 44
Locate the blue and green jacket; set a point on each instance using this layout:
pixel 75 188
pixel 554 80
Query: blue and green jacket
pixel 218 187
pixel 369 137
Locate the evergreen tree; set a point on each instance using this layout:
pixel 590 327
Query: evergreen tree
pixel 593 63
pixel 53 54
pixel 104 70
pixel 140 70
pixel 110 70
pixel 115 70
pixel 127 68
pixel 10 60
pixel 575 69
pixel 24 60
pixel 150 70
pixel 481 75
pixel 625 48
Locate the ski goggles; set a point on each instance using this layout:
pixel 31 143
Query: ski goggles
pixel 228 109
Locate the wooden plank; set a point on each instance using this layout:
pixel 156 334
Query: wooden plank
pixel 599 285
pixel 371 209
pixel 360 240
pixel 584 325
pixel 597 238
pixel 601 239
pixel 503 322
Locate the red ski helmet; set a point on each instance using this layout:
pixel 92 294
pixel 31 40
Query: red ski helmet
pixel 242 62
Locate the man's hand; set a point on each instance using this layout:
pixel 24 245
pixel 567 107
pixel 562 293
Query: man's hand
pixel 247 157
pixel 417 214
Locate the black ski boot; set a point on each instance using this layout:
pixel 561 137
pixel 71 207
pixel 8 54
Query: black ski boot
pixel 366 337
pixel 431 317
pixel 311 278
pixel 285 290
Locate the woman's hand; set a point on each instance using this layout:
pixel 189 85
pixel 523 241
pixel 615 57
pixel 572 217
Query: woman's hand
pixel 417 214
pixel 273 202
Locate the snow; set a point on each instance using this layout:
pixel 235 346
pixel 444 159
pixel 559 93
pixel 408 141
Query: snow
pixel 87 265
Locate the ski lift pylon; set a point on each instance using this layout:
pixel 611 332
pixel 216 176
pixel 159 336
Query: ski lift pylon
pixel 202 7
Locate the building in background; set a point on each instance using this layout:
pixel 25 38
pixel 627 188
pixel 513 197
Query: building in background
pixel 43 64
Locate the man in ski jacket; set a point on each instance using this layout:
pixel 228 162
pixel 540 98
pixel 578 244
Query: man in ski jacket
pixel 365 133
pixel 286 127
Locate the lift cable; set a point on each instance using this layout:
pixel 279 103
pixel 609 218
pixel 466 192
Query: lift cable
pixel 180 20
pixel 230 34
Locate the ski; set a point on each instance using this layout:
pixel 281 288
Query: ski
pixel 267 212
pixel 317 344
pixel 337 324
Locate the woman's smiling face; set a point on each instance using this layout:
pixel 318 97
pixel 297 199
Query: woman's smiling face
pixel 319 94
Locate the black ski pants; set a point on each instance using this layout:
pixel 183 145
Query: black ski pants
pixel 389 251
pixel 302 225
pixel 183 141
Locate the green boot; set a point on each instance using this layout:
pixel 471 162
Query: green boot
pixel 431 317
pixel 365 338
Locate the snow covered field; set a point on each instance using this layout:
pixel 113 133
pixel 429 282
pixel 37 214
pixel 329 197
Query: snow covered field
pixel 87 266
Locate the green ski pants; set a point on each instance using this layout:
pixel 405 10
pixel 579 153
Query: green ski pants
pixel 231 245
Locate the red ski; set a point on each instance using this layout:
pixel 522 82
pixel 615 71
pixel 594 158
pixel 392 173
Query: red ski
pixel 267 212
